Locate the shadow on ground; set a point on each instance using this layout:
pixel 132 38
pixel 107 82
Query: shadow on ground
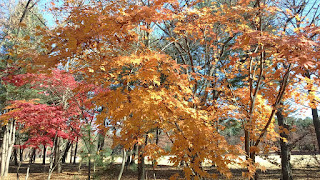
pixel 71 171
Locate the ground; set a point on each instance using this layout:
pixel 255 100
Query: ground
pixel 305 167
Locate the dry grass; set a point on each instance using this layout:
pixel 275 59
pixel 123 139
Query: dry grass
pixel 304 168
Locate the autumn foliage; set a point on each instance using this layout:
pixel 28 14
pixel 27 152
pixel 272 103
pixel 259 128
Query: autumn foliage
pixel 215 61
pixel 45 121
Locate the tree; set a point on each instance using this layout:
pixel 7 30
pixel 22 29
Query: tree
pixel 16 28
pixel 47 123
pixel 243 71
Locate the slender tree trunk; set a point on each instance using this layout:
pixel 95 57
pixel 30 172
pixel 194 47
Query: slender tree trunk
pixel 101 142
pixel 154 162
pixel 75 152
pixel 71 148
pixel 65 154
pixel 7 146
pixel 89 152
pixel 44 155
pixel 58 161
pixel 316 123
pixel 89 167
pixel 55 151
pixel 52 156
pixel 50 166
pixel 15 154
pixel 315 117
pixel 141 167
pixel 134 150
pixel 286 170
pixel 32 156
pixel 128 158
pixel 4 150
pixel 141 164
pixel 21 154
pixel 123 163
pixel 28 170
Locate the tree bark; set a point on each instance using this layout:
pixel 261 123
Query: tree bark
pixel 89 167
pixel 123 163
pixel 75 152
pixel 7 146
pixel 128 158
pixel 44 155
pixel 32 156
pixel 101 142
pixel 71 148
pixel 58 161
pixel 21 154
pixel 52 156
pixel 57 155
pixel 4 151
pixel 15 154
pixel 134 150
pixel 141 164
pixel 66 152
pixel 315 117
pixel 316 124
pixel 154 162
pixel 286 170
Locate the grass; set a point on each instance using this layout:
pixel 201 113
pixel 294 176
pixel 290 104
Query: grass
pixel 301 170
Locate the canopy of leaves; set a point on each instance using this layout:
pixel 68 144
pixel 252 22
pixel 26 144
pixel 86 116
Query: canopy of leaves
pixel 212 61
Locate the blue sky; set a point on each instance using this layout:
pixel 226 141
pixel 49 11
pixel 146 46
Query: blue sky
pixel 44 8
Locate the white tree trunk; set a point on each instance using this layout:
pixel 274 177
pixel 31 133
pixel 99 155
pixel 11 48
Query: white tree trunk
pixel 123 163
pixel 4 150
pixel 11 139
pixel 7 146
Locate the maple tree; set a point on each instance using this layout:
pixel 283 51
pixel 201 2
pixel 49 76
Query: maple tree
pixel 46 124
pixel 42 122
pixel 183 68
pixel 16 32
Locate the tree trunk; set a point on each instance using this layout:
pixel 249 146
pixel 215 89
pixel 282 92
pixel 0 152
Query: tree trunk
pixel 128 158
pixel 141 167
pixel 57 155
pixel 71 148
pixel 123 163
pixel 134 150
pixel 89 167
pixel 141 164
pixel 316 123
pixel 4 150
pixel 7 146
pixel 21 154
pixel 315 117
pixel 154 162
pixel 58 161
pixel 66 152
pixel 44 155
pixel 32 156
pixel 52 156
pixel 15 154
pixel 101 142
pixel 286 170
pixel 75 152
pixel 89 154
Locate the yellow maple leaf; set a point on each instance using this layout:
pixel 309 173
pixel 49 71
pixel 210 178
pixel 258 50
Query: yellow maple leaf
pixel 102 68
pixel 90 70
